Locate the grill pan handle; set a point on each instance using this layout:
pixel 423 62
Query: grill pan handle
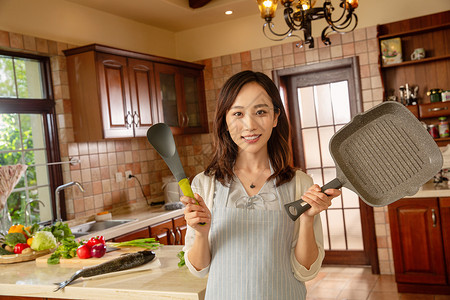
pixel 296 208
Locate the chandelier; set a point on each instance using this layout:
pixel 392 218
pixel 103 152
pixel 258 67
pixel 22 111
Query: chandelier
pixel 298 15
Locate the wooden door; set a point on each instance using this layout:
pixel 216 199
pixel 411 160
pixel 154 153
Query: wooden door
pixel 417 241
pixel 444 204
pixel 143 98
pixel 320 99
pixel 114 88
pixel 180 227
pixel 163 232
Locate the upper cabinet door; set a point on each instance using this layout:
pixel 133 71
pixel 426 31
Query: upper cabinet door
pixel 143 98
pixel 169 97
pixel 114 89
pixel 195 114
pixel 181 96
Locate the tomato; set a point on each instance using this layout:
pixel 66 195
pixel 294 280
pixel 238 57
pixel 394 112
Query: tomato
pixel 84 251
pixel 96 240
pixel 18 248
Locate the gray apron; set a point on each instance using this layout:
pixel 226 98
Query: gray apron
pixel 250 252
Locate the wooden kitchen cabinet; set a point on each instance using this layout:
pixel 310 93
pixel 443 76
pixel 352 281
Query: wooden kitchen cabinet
pixel 432 33
pixel 118 94
pixel 180 227
pixel 138 234
pixel 163 232
pixel 170 232
pixel 183 104
pixel 417 226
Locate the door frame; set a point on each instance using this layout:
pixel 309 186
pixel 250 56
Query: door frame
pixel 282 80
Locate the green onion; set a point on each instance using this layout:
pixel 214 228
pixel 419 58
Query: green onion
pixel 148 243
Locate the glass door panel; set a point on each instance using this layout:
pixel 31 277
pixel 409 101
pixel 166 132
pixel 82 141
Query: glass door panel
pixel 169 98
pixel 323 110
pixel 191 94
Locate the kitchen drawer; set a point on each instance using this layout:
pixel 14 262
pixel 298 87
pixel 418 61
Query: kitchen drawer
pixel 433 110
pixel 414 109
pixel 138 234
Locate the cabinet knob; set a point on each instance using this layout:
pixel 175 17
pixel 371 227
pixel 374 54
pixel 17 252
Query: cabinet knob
pixel 433 217
pixel 187 119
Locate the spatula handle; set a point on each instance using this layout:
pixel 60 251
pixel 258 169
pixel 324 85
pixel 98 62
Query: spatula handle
pixel 187 191
pixel 296 208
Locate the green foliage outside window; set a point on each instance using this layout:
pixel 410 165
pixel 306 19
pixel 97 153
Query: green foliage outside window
pixel 16 133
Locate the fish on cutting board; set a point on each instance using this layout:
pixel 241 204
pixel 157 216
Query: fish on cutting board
pixel 124 262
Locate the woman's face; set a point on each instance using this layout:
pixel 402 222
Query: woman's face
pixel 251 118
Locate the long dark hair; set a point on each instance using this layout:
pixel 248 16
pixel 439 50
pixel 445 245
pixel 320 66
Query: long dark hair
pixel 226 150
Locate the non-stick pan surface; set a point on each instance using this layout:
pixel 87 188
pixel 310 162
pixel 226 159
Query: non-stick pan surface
pixel 383 155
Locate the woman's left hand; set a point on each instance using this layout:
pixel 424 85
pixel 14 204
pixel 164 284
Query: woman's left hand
pixel 319 201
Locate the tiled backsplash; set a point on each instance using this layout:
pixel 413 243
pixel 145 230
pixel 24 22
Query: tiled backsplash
pixel 101 160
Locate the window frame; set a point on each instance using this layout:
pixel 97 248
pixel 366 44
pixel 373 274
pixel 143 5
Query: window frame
pixel 46 108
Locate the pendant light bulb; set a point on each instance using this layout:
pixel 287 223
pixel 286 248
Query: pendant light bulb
pixel 267 8
pixel 305 4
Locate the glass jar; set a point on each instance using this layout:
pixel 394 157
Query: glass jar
pixel 443 127
pixel 435 95
pixel 433 130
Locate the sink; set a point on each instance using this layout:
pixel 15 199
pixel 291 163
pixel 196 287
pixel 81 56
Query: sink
pixel 94 226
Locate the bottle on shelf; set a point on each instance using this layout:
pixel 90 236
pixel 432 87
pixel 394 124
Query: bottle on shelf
pixel 443 127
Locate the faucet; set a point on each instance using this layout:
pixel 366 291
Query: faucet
pixel 27 214
pixel 58 189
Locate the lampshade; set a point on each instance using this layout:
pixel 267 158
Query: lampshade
pixel 267 8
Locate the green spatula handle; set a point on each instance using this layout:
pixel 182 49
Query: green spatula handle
pixel 187 191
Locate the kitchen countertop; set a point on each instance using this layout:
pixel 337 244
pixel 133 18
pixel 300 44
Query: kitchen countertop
pixel 166 281
pixel 141 217
pixel 430 189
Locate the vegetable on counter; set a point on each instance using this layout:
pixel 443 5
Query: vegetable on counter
pixel 43 240
pixel 18 229
pixel 98 250
pixel 67 249
pixel 180 255
pixel 95 240
pixel 18 248
pixel 84 251
pixel 60 231
pixel 13 238
pixel 147 243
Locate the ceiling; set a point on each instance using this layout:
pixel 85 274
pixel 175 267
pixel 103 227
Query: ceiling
pixel 174 15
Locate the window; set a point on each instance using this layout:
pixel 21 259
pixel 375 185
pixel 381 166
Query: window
pixel 28 134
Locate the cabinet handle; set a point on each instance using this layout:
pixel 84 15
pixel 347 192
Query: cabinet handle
pixel 433 217
pixel 173 236
pixel 136 119
pixel 187 120
pixel 437 109
pixel 128 122
pixel 179 234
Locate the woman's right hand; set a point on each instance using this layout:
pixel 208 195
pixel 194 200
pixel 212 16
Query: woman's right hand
pixel 197 213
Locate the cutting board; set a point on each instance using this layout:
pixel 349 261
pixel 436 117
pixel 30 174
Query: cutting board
pixel 78 262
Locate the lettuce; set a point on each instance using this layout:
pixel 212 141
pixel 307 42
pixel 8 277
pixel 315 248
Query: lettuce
pixel 43 240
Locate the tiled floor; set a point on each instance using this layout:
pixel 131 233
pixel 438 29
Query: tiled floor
pixel 358 283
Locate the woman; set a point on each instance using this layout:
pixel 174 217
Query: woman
pixel 249 245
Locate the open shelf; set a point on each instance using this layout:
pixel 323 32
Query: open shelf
pixel 419 61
